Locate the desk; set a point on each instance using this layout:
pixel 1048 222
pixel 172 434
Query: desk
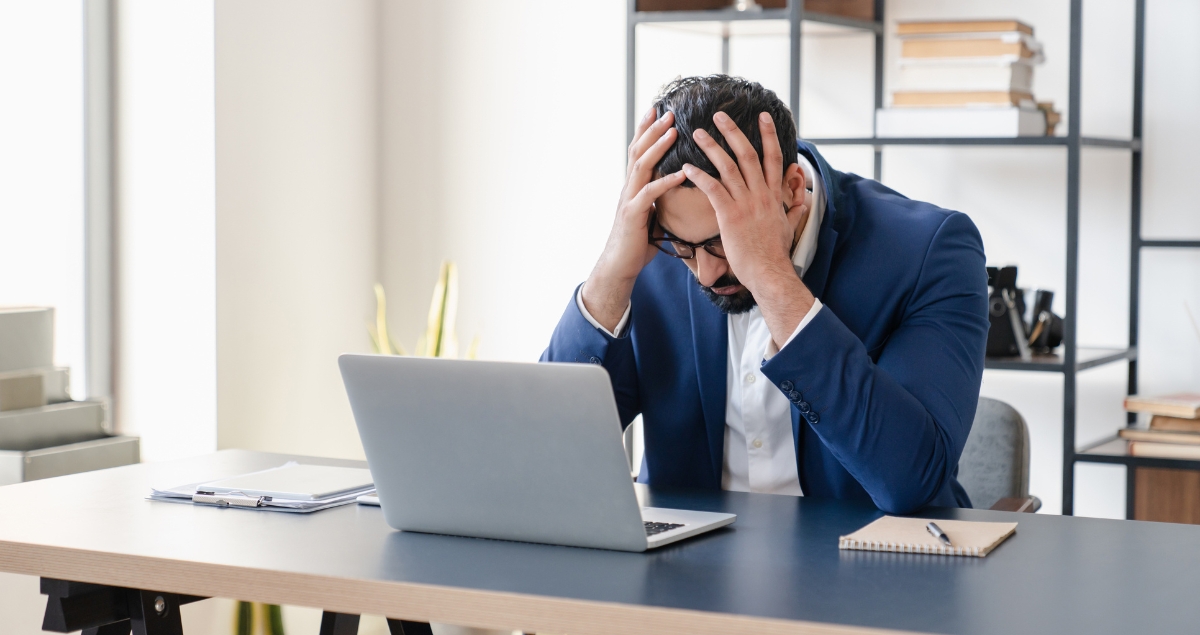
pixel 776 570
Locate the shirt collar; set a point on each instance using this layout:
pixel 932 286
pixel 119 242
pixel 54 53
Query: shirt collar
pixel 806 248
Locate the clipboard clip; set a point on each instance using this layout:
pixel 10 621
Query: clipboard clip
pixel 228 500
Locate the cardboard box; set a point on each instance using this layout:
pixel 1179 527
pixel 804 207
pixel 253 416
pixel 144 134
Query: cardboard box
pixel 59 424
pixel 97 454
pixel 26 338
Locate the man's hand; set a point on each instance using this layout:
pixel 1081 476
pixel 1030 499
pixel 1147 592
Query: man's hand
pixel 606 292
pixel 758 228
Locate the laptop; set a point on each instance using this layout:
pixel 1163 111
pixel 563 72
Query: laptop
pixel 510 451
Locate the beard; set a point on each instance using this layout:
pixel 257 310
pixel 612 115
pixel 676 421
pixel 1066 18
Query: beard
pixel 739 302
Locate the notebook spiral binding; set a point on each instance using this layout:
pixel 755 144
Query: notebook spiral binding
pixel 877 545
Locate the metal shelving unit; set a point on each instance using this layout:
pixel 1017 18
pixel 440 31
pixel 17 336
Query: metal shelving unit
pixel 1072 359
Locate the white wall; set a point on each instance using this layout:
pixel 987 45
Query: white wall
pixel 41 169
pixel 297 131
pixel 504 152
pixel 166 341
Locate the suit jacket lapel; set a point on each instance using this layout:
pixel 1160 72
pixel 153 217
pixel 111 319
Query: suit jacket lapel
pixel 818 273
pixel 710 340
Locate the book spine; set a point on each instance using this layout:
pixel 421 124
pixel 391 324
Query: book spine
pixel 977 26
pixel 959 122
pixel 961 98
pixel 1174 424
pixel 962 48
pixel 1164 450
pixel 1159 436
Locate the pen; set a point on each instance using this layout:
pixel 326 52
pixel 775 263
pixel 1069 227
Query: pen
pixel 939 534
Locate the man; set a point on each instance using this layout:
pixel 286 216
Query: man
pixel 781 327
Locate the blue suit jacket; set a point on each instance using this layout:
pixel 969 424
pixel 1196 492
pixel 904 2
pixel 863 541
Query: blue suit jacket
pixel 887 374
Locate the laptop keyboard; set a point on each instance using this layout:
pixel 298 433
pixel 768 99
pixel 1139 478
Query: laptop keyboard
pixel 657 528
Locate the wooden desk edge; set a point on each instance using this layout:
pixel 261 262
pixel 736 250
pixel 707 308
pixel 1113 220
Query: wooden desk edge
pixel 432 603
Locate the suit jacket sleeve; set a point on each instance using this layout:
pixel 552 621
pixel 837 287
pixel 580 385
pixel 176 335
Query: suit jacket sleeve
pixel 576 340
pixel 898 425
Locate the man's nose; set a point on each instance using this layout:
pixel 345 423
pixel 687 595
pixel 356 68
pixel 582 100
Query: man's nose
pixel 710 268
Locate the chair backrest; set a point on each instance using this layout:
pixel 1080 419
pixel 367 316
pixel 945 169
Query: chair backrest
pixel 995 460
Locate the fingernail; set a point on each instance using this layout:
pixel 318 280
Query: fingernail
pixel 688 167
pixel 721 117
pixel 764 117
pixel 700 132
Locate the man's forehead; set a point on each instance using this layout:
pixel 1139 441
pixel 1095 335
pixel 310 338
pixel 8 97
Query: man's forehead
pixel 686 213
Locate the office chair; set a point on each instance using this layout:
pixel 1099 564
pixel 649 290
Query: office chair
pixel 994 467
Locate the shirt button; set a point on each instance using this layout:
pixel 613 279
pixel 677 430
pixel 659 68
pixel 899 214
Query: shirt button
pixel 750 379
pixel 758 443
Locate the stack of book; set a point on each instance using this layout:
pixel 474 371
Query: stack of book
pixel 966 79
pixel 36 410
pixel 1174 428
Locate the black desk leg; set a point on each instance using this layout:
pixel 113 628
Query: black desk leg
pixel 153 613
pixel 104 610
pixel 338 624
pixel 401 627
pixel 116 628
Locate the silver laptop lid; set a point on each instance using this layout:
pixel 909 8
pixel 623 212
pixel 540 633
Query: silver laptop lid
pixel 515 451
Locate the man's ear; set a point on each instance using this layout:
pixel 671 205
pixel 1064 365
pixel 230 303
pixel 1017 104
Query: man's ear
pixel 793 195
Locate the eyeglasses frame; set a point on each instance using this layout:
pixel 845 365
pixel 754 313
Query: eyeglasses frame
pixel 706 245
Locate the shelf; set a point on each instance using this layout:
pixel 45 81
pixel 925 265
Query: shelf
pixel 1186 244
pixel 1085 358
pixel 1115 450
pixel 1094 142
pixel 732 15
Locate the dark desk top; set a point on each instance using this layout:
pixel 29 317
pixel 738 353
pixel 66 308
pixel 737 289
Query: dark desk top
pixel 777 569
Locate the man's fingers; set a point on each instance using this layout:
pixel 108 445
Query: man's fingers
pixel 772 163
pixel 642 124
pixel 747 158
pixel 730 175
pixel 642 168
pixel 655 189
pixel 648 138
pixel 716 192
pixel 797 213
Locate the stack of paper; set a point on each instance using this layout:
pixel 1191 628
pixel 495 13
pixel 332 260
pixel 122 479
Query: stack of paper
pixel 291 487
pixel 966 78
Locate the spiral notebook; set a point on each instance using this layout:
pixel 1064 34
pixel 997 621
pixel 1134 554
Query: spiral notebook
pixel 908 535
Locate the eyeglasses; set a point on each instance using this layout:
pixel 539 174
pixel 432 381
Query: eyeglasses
pixel 673 246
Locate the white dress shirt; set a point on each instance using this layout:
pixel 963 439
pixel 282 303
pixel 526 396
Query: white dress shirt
pixel 760 449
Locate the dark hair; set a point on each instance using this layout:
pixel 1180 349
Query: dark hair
pixel 695 100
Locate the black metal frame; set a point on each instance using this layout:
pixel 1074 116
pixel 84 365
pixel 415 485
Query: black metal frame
pixel 1070 362
pixel 107 610
pixel 346 624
